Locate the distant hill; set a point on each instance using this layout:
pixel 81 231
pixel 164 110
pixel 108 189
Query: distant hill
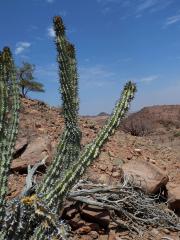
pixel 159 113
pixel 103 114
pixel 148 119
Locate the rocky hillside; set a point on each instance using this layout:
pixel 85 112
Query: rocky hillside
pixel 155 117
pixel 160 113
pixel 156 153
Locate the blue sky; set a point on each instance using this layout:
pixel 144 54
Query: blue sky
pixel 116 41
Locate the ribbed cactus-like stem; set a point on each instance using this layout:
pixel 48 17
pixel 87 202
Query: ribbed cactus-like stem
pixel 10 126
pixel 3 92
pixel 61 188
pixel 68 75
pixel 59 191
pixel 69 146
pixel 56 184
pixel 2 96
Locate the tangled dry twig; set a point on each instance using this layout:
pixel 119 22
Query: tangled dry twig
pixel 129 206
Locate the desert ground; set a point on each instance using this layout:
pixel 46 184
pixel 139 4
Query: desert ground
pixel 151 136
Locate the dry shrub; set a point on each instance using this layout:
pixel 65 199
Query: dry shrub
pixel 137 126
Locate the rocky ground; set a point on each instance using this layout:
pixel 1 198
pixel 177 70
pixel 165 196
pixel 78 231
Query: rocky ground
pixel 40 127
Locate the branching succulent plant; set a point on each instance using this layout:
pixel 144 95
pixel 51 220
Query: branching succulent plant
pixel 34 214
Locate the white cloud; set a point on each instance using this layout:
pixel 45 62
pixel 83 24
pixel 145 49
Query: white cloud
pixel 161 6
pixel 21 46
pixel 138 7
pixel 51 32
pixel 172 20
pixel 50 1
pixel 96 75
pixel 152 5
pixel 148 79
pixel 146 4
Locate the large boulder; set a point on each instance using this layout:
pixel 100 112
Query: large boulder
pixel 35 151
pixel 20 146
pixel 145 175
pixel 174 196
pixel 20 143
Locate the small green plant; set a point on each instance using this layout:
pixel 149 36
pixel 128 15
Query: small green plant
pixel 34 214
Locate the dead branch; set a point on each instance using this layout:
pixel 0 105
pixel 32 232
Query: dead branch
pixel 128 206
pixel 30 180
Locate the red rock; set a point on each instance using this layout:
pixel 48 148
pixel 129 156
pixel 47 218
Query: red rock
pixel 145 175
pixel 94 234
pixel 69 211
pixel 111 154
pixel 95 214
pixel 84 230
pixel 116 174
pixel 110 168
pixel 104 178
pixel 154 232
pixel 129 157
pixel 41 130
pixel 165 230
pixel 103 237
pixel 112 235
pixel 103 167
pixel 38 125
pixel 20 143
pixel 94 227
pixel 174 196
pixel 152 161
pixel 104 156
pixel 35 152
pixel 138 150
pixel 76 223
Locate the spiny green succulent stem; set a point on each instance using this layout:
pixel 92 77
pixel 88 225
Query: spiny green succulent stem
pixel 68 75
pixel 54 169
pixel 61 188
pixel 69 146
pixel 8 137
pixel 3 93
pixel 58 192
pixel 56 188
